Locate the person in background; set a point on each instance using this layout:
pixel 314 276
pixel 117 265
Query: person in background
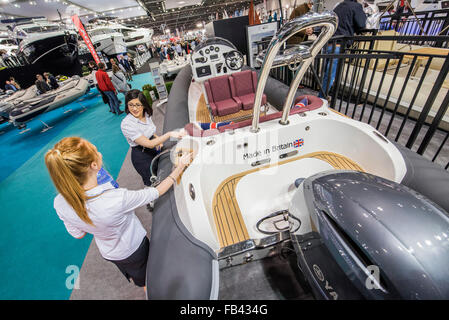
pixel 118 79
pixel 41 85
pixel 114 61
pixel 140 132
pixel 14 83
pixel 170 52
pixel 117 62
pixel 179 49
pixel 351 19
pixel 125 62
pixel 132 64
pixel 51 81
pixel 299 11
pixel 10 86
pixel 103 210
pixel 162 55
pixel 93 70
pixel 105 85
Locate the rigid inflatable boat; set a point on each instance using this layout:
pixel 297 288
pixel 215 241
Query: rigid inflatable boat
pixel 365 217
pixel 24 105
pixel 171 67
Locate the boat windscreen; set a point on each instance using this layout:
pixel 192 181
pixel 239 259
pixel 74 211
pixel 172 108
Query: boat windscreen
pixel 40 29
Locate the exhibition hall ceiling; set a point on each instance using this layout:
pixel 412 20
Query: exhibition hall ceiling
pixel 192 14
pixel 157 14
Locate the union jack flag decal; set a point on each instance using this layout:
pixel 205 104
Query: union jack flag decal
pixel 298 143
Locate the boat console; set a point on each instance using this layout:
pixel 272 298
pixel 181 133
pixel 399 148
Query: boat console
pixel 215 57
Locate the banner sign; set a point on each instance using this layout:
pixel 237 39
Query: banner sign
pixel 83 33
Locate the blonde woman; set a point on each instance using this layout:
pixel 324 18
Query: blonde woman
pixel 102 210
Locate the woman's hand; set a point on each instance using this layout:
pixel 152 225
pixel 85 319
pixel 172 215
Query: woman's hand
pixel 185 159
pixel 177 134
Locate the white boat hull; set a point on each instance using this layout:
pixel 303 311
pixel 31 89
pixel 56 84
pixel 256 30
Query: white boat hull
pixel 110 45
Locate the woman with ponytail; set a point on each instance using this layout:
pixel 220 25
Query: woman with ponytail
pixel 102 210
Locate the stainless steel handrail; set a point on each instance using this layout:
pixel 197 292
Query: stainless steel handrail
pixel 328 21
pixel 294 54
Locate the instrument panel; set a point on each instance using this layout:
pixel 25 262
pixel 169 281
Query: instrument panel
pixel 209 59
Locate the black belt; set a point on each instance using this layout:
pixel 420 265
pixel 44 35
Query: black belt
pixel 144 149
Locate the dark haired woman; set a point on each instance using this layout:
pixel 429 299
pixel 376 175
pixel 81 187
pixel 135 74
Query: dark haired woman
pixel 140 132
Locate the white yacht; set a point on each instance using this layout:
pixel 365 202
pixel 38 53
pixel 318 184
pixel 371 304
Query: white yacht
pixel 107 40
pixel 8 44
pixel 134 36
pixel 41 40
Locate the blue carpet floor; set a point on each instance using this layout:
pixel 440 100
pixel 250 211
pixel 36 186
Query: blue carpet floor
pixel 35 249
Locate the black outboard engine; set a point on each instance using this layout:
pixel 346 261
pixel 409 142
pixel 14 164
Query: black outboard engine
pixel 365 237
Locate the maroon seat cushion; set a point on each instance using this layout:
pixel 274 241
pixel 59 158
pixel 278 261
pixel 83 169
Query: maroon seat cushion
pixel 243 88
pixel 243 82
pixel 220 88
pixel 223 102
pixel 313 103
pixel 226 107
pixel 248 100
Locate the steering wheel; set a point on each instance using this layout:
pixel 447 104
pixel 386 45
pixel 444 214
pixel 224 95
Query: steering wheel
pixel 234 60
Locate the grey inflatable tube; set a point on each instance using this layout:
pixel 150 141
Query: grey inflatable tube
pixel 179 266
pixel 426 177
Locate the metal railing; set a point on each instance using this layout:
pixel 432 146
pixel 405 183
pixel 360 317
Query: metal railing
pixel 425 23
pixel 401 90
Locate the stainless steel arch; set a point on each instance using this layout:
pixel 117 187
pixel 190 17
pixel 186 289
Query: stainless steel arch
pixel 328 21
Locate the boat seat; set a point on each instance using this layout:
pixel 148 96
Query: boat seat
pixel 313 103
pixel 243 87
pixel 220 98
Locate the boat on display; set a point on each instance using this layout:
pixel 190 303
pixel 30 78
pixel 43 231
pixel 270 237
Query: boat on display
pixel 25 105
pixel 276 170
pixel 8 44
pixel 134 37
pixel 170 68
pixel 43 41
pixel 107 40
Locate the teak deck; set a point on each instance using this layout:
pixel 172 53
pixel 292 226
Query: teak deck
pixel 228 218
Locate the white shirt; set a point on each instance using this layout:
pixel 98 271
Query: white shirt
pixel 133 128
pixel 116 230
pixel 118 79
pixel 93 76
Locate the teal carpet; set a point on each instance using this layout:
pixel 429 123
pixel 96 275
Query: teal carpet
pixel 35 248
